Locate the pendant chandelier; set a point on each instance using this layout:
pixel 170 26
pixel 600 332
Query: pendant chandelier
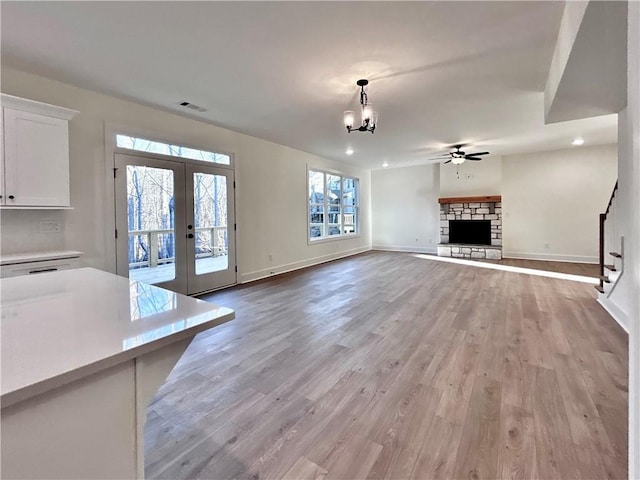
pixel 369 117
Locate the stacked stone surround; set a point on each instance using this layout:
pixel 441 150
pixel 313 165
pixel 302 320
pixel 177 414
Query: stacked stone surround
pixel 491 211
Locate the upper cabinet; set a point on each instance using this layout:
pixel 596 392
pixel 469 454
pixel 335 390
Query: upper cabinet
pixel 34 169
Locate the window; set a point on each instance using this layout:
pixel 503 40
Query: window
pixel 333 205
pixel 151 146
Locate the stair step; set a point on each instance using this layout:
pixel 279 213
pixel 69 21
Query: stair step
pixel 599 288
pixel 615 254
pixel 605 279
pixel 610 267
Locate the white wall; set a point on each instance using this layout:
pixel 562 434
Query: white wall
pixel 629 285
pixel 622 295
pixel 551 202
pixel 271 208
pixel 405 210
pixel 570 24
pixel 472 178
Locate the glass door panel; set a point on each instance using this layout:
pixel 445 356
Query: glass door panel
pixel 151 224
pixel 149 196
pixel 210 222
pixel 211 249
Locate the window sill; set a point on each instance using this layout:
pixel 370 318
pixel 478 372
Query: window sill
pixel 332 239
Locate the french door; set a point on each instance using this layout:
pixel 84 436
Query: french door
pixel 175 223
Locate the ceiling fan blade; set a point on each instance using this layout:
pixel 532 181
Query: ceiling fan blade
pixel 448 161
pixel 472 158
pixel 439 158
pixel 477 154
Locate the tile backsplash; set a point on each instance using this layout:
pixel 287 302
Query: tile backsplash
pixel 23 231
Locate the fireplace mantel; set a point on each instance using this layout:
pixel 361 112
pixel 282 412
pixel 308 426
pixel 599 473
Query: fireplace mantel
pixel 490 198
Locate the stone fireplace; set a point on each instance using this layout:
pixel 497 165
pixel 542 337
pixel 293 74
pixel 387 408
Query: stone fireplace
pixel 471 227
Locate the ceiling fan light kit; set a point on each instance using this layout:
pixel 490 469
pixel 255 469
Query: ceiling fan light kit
pixel 369 117
pixel 458 157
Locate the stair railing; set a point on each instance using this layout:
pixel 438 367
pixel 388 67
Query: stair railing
pixel 607 231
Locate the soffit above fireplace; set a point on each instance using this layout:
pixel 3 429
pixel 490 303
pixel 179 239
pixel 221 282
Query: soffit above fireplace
pixel 485 199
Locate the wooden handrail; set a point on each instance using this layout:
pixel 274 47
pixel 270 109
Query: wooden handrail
pixel 603 219
pixel 613 194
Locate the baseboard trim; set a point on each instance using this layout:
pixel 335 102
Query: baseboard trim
pixel 290 267
pixel 403 248
pixel 550 257
pixel 616 313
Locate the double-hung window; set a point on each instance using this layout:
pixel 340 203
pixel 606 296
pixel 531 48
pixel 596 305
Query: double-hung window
pixel 333 205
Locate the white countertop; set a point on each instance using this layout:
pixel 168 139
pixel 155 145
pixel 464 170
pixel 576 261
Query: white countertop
pixel 61 326
pixel 38 256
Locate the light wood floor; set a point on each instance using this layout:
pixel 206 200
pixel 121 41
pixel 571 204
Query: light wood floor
pixel 385 365
pixel 585 269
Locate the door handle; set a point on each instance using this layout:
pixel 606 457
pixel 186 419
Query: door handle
pixel 190 235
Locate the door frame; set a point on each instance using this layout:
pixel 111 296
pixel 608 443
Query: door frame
pixel 111 150
pixel 110 130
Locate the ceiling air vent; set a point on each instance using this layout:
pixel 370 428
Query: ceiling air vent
pixel 192 106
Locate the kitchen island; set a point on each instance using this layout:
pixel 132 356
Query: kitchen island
pixel 83 353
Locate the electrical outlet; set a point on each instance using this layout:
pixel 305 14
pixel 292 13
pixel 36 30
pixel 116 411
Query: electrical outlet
pixel 546 245
pixel 271 257
pixel 49 226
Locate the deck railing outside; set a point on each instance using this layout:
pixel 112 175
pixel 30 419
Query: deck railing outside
pixel 210 242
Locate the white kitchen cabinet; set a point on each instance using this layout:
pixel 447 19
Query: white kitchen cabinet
pixel 33 268
pixel 18 264
pixel 34 169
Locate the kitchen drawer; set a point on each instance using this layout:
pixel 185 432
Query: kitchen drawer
pixel 33 268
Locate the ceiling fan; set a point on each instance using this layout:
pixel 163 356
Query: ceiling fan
pixel 457 156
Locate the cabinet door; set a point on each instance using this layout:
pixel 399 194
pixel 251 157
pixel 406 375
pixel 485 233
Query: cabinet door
pixel 36 163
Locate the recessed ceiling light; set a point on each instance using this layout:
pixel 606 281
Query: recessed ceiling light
pixel 349 151
pixel 577 141
pixel 385 164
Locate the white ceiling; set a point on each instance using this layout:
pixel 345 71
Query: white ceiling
pixel 440 72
